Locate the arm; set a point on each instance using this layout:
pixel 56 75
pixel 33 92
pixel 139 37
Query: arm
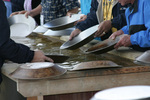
pixel 13 51
pixel 119 19
pixel 142 38
pixel 91 17
pixel 71 6
pixel 35 11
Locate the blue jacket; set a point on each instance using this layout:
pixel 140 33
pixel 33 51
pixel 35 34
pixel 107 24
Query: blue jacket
pixel 8 48
pixel 118 20
pixel 138 23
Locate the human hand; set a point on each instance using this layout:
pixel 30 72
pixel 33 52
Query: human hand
pixel 82 18
pixel 14 13
pixel 19 12
pixel 103 28
pixel 40 57
pixel 115 34
pixel 124 41
pixel 74 33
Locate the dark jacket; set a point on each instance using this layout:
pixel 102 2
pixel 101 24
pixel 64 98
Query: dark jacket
pixel 17 5
pixel 8 48
pixel 118 20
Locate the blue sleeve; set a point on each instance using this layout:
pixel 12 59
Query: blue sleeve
pixel 8 48
pixel 91 17
pixel 142 38
pixel 125 29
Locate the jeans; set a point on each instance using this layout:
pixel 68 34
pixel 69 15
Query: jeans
pixel 8 7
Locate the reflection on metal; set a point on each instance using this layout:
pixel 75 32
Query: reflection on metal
pixel 81 39
pixel 103 46
pixel 39 70
pixel 58 58
pixel 40 29
pixel 65 32
pixel 144 58
pixel 95 64
pixel 20 25
pixel 62 22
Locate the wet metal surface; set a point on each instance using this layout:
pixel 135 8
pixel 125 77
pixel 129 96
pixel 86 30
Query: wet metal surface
pixel 76 56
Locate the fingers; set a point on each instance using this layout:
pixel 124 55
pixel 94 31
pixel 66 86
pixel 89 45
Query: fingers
pixel 27 14
pixel 15 13
pixel 74 33
pixel 48 59
pixel 99 32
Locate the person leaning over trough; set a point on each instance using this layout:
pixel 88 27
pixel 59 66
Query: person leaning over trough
pixel 12 51
pixel 137 30
pixel 52 9
pixel 28 6
pixel 103 17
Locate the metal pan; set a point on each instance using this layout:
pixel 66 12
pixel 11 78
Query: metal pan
pixel 58 58
pixel 103 46
pixel 81 39
pixel 39 70
pixel 21 26
pixel 40 29
pixel 145 57
pixel 65 32
pixel 62 22
pixel 95 64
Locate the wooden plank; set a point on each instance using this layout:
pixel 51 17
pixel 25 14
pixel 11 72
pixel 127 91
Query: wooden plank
pixel 32 98
pixel 83 84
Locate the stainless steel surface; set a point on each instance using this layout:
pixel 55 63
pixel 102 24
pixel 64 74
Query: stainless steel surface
pixel 81 39
pixel 20 25
pixel 141 63
pixel 40 29
pixel 65 32
pixel 94 65
pixel 62 22
pixel 103 46
pixel 134 92
pixel 58 58
pixel 144 58
pixel 39 70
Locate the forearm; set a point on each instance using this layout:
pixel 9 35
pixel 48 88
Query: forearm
pixel 36 11
pixel 75 10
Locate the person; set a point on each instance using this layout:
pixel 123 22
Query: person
pixel 52 9
pixel 9 50
pixel 28 6
pixel 85 6
pixel 103 17
pixel 17 5
pixel 137 31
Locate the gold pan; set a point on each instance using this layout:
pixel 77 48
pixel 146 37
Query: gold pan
pixel 95 64
pixel 39 70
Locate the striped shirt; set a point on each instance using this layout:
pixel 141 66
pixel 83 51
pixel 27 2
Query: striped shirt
pixel 52 9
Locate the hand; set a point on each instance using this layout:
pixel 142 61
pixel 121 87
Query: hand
pixel 69 14
pixel 124 41
pixel 82 18
pixel 27 14
pixel 103 27
pixel 40 57
pixel 115 34
pixel 19 12
pixel 74 33
pixel 14 13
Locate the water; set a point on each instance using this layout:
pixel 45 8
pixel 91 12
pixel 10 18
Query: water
pixel 76 56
